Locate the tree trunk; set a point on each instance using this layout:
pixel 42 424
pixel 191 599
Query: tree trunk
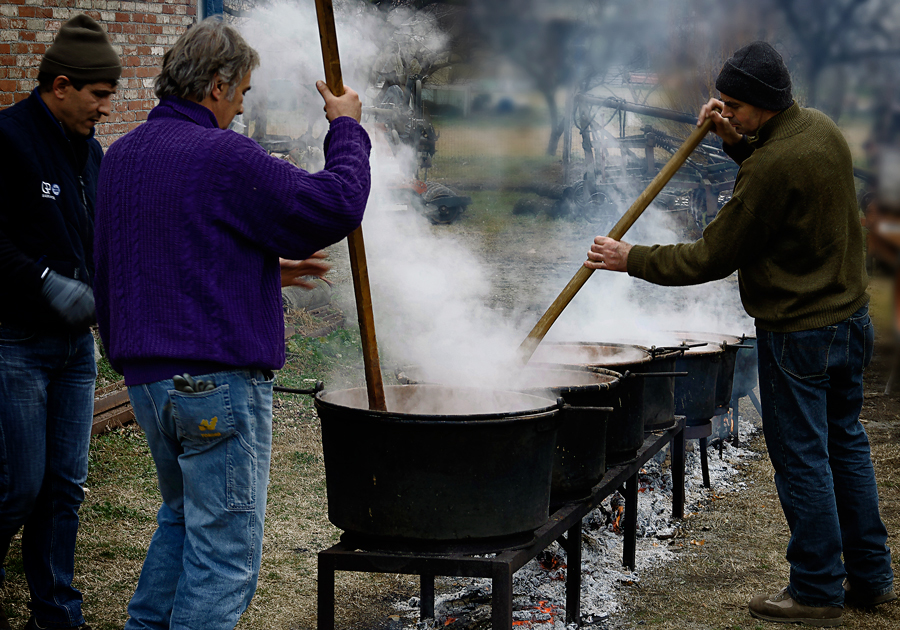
pixel 556 125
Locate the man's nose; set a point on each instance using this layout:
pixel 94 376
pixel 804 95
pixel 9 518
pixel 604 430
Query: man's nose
pixel 105 106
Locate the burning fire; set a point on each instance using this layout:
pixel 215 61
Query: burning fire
pixel 618 518
pixel 543 608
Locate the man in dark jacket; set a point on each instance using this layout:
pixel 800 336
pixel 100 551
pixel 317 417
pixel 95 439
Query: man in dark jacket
pixel 800 264
pixel 49 163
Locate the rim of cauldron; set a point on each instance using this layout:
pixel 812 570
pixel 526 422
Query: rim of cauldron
pixel 568 389
pixel 424 419
pixel 649 354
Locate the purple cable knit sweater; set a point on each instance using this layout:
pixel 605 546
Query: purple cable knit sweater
pixel 190 222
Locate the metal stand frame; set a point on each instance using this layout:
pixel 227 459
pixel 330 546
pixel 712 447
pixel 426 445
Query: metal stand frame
pixel 564 525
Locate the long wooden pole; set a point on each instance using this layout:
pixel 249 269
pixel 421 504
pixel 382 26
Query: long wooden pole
pixel 653 189
pixel 358 268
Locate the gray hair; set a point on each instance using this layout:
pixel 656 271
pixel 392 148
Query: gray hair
pixel 205 50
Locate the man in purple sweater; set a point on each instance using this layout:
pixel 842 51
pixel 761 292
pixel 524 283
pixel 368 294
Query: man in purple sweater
pixel 191 222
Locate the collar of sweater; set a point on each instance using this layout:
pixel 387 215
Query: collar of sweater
pixel 786 123
pixel 183 109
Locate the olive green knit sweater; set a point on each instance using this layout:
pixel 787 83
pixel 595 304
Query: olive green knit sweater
pixel 791 229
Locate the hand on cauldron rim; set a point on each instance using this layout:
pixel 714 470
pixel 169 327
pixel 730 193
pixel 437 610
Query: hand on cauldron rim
pixel 609 254
pixel 294 272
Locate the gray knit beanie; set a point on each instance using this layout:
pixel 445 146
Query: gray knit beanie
pixel 82 52
pixel 756 74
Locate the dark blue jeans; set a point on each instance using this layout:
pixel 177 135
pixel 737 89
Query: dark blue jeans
pixel 46 411
pixel 811 389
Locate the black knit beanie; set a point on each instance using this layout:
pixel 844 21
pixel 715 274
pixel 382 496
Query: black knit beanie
pixel 82 52
pixel 756 74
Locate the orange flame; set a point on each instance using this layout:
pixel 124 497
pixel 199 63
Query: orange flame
pixel 617 522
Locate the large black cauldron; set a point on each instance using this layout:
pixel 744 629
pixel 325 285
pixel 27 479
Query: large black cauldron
pixel 590 395
pixel 650 387
pixel 731 347
pixel 443 464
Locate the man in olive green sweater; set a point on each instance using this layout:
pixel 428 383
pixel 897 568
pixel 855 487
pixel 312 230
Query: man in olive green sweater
pixel 791 230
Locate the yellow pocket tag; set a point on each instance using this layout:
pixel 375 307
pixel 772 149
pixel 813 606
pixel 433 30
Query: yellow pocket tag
pixel 209 425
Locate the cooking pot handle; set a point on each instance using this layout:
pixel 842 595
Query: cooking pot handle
pixel 740 345
pixel 292 390
pixel 683 346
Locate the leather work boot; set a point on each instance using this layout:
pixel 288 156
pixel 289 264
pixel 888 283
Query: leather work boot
pixel 857 599
pixel 781 608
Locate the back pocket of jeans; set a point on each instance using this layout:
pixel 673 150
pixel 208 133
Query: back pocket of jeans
pixel 804 354
pixel 207 422
pixel 205 417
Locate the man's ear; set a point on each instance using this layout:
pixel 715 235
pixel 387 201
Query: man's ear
pixel 219 90
pixel 61 84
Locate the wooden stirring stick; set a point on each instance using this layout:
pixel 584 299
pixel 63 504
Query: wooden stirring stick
pixel 540 329
pixel 358 268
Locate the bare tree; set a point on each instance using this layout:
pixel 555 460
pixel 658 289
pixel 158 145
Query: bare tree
pixel 836 35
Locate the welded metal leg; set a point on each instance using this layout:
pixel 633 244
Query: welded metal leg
pixel 325 594
pixel 677 449
pixel 426 597
pixel 755 402
pixel 704 462
pixel 573 574
pixel 501 598
pixel 629 542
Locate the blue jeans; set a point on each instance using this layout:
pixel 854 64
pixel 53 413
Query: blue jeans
pixel 212 452
pixel 46 412
pixel 811 389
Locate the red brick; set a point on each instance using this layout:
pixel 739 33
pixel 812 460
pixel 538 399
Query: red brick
pixel 5 99
pixel 21 96
pixel 123 17
pixel 27 36
pixel 168 8
pixel 7 60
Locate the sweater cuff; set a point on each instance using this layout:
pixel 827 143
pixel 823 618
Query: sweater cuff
pixel 637 260
pixel 347 129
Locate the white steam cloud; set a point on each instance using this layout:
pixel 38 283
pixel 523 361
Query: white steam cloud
pixel 430 290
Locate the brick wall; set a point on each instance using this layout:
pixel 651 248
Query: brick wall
pixel 139 31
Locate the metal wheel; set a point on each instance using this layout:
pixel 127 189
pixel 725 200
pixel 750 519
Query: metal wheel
pixel 438 213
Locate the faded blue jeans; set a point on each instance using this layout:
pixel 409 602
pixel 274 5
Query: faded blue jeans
pixel 811 389
pixel 212 452
pixel 46 412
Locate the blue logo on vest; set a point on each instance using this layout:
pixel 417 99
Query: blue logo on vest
pixel 49 191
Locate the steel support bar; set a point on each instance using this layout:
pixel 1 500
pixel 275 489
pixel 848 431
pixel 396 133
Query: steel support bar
pixel 677 451
pixel 657 112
